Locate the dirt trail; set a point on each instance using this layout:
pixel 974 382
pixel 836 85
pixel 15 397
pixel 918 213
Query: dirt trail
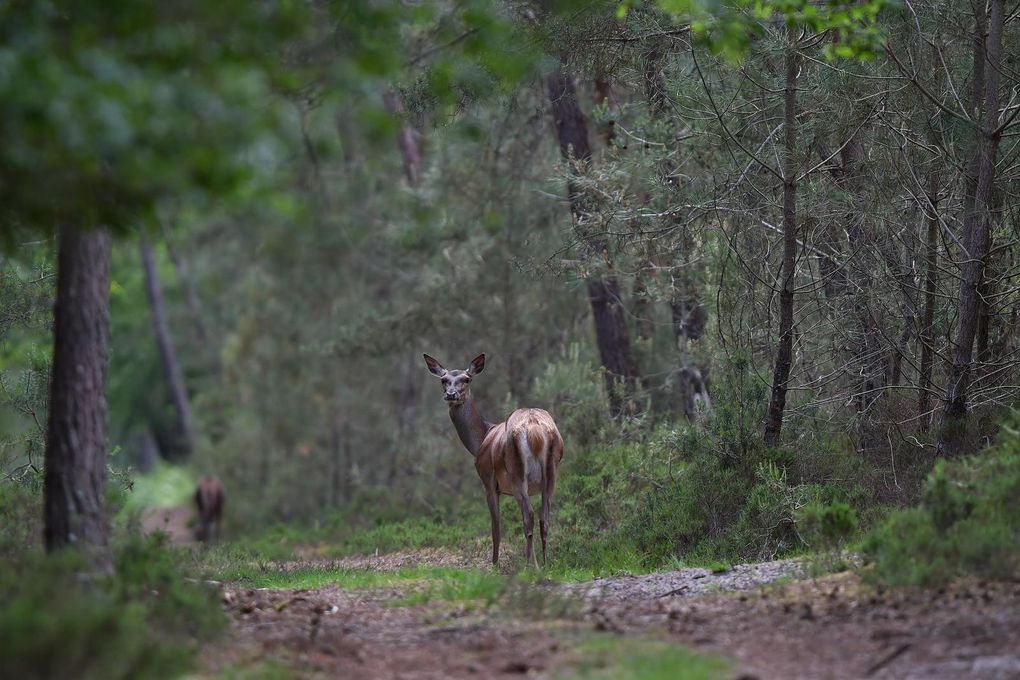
pixel 175 522
pixel 770 620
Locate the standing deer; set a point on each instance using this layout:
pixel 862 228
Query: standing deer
pixel 517 457
pixel 210 498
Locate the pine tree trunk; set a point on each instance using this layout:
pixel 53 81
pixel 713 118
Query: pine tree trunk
pixel 976 239
pixel 167 356
pixel 190 295
pixel 76 443
pixel 784 352
pixel 611 333
pixel 931 261
pixel 406 141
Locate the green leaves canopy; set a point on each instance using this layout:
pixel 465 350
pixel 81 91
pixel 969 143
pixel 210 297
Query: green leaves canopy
pixel 108 107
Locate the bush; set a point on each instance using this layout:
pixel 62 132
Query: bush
pixel 968 522
pixel 828 526
pixel 690 496
pixel 143 623
pixel 21 526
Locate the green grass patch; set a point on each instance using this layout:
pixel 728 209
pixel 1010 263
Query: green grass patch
pixel 622 658
pixel 259 669
pixel 414 533
pixel 419 584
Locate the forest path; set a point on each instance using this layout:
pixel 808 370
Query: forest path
pixel 176 522
pixel 767 619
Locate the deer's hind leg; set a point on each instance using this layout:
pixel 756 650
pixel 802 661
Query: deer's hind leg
pixel 529 524
pixel 548 489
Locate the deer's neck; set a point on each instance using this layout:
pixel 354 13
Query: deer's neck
pixel 471 427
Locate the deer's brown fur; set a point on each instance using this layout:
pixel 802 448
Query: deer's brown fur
pixel 210 499
pixel 518 457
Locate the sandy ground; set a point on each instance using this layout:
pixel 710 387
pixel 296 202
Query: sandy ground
pixel 175 522
pixel 768 618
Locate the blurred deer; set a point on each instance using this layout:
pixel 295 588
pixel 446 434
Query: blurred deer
pixel 517 457
pixel 210 498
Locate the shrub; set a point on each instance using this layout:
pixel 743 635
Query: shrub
pixel 143 622
pixel 828 526
pixel 968 522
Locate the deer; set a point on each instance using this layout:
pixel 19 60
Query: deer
pixel 210 499
pixel 518 457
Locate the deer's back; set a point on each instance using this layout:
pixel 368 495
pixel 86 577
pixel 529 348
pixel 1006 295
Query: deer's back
pixel 519 447
pixel 209 497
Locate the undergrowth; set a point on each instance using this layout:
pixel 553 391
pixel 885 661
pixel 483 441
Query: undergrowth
pixel 968 522
pixel 58 621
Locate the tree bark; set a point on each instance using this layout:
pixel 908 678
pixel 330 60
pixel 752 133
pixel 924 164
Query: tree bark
pixel 931 261
pixel 784 352
pixel 976 239
pixel 76 443
pixel 190 295
pixel 869 359
pixel 406 140
pixel 611 333
pixel 167 356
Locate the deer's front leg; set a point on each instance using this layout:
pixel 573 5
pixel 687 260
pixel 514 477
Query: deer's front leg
pixel 493 500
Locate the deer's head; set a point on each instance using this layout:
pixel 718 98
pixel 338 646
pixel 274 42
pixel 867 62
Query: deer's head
pixel 456 383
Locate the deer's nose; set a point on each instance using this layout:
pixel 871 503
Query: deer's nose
pixel 450 396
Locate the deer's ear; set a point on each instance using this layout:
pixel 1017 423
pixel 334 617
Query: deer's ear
pixel 477 364
pixel 435 368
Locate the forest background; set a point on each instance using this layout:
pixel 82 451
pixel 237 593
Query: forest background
pixel 759 261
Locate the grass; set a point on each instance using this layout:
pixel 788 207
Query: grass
pixel 622 658
pixel 420 584
pixel 259 669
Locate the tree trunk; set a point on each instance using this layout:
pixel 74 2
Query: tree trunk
pixel 406 140
pixel 167 356
pixel 931 261
pixel 190 296
pixel 407 391
pixel 869 359
pixel 976 239
pixel 76 444
pixel 688 314
pixel 689 321
pixel 784 352
pixel 611 333
pixel 335 478
pixel 148 452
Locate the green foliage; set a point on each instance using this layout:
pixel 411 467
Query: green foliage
pixel 26 295
pixel 571 387
pixel 966 524
pixel 120 100
pixel 146 621
pixel 21 519
pixel 702 495
pixel 828 525
pixel 164 487
pixel 727 27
